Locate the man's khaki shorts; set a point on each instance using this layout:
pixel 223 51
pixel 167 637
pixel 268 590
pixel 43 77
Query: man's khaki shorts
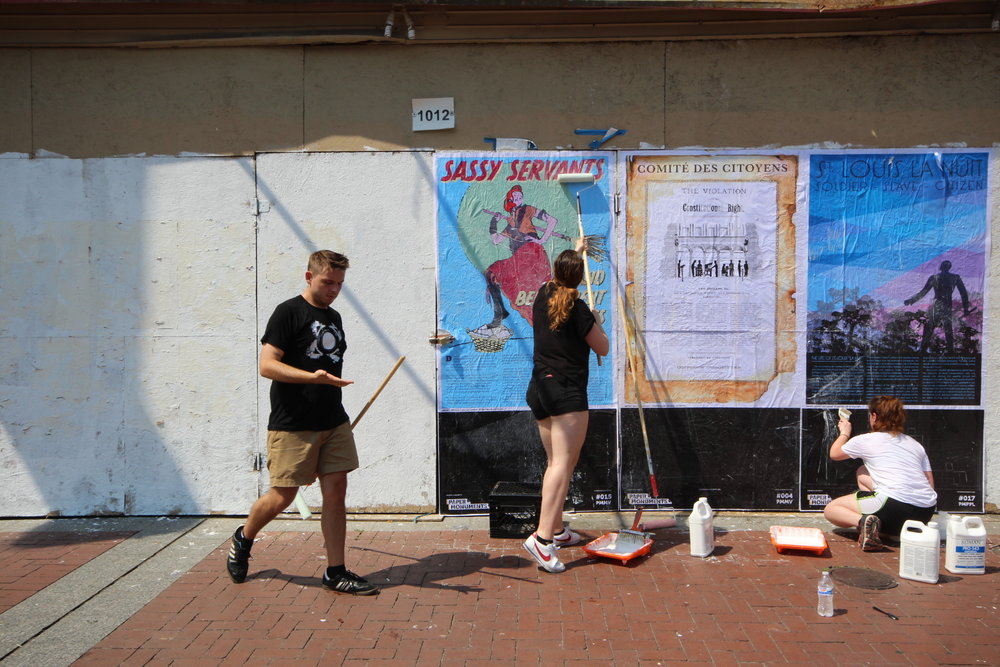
pixel 296 458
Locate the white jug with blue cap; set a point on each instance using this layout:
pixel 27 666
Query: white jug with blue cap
pixel 965 549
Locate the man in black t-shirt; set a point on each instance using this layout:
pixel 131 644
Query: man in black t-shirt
pixel 308 432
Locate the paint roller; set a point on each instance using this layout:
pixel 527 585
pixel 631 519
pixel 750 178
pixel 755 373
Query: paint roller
pixel 587 177
pixel 300 502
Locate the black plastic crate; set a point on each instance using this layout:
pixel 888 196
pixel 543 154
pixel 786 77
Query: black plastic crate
pixel 514 508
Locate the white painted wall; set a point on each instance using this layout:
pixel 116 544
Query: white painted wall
pixel 378 209
pixel 126 335
pixel 991 353
pixel 132 295
pixel 129 325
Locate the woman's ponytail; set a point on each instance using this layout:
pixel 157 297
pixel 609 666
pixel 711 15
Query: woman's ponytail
pixel 567 272
pixel 560 303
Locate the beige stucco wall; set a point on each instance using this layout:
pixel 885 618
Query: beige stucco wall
pixel 864 92
pixel 96 103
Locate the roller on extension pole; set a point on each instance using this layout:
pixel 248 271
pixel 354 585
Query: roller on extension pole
pixel 583 177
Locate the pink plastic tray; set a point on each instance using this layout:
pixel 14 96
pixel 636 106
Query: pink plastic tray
pixel 796 537
pixel 607 546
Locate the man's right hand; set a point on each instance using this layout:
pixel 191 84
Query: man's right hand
pixel 322 377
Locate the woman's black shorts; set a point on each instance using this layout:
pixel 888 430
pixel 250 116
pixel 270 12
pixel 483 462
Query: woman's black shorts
pixel 892 513
pixel 549 396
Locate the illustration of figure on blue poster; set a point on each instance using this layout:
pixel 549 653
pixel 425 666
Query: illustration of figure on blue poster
pixel 897 264
pixel 501 222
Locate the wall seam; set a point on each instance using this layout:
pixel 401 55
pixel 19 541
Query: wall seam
pixel 256 323
pixel 666 49
pixel 302 111
pixel 31 101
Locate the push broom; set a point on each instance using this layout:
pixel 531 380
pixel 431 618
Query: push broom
pixel 635 536
pixel 300 502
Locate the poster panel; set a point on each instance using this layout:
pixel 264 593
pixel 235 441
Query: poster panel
pixel 479 449
pixel 897 261
pixel 710 277
pixel 706 451
pixel 501 219
pixel 952 438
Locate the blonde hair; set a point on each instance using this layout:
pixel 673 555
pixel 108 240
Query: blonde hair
pixel 322 261
pixel 567 272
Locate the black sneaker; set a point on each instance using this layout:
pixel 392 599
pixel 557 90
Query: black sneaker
pixel 239 557
pixel 349 583
pixel 868 530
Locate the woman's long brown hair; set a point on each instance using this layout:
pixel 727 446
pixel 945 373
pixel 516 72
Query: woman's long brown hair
pixel 567 272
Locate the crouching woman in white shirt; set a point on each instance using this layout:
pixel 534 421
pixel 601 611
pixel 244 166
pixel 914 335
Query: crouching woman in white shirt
pixel 895 482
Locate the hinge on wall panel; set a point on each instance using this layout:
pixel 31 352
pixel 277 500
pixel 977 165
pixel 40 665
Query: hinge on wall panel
pixel 260 206
pixel 258 462
pixel 618 207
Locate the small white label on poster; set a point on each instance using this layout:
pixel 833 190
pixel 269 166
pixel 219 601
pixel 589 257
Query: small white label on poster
pixel 433 113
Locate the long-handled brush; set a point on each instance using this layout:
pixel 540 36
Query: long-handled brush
pixel 630 355
pixel 634 537
pixel 628 325
pixel 300 502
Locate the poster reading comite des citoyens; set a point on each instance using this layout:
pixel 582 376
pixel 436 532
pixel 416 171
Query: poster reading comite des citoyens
pixel 502 219
pixel 710 276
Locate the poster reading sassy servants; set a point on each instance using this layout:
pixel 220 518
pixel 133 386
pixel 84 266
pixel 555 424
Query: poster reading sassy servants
pixel 502 218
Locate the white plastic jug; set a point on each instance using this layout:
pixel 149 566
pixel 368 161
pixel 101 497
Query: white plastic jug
pixel 702 531
pixel 919 557
pixel 965 550
pixel 942 519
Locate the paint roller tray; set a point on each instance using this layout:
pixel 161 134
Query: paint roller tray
pixel 607 546
pixel 796 537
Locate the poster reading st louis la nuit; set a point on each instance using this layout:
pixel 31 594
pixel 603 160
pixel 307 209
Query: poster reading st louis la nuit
pixel 897 263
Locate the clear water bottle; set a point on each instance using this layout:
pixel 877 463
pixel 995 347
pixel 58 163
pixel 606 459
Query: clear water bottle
pixel 824 592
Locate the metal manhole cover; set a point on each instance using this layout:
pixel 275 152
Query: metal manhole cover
pixel 862 577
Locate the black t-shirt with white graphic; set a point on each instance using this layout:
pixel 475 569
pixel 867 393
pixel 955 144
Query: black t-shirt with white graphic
pixel 311 339
pixel 564 353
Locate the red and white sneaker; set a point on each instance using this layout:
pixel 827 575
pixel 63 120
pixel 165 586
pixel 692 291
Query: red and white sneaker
pixel 545 554
pixel 566 538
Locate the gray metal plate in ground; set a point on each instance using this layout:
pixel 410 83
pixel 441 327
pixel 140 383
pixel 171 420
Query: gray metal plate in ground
pixel 862 577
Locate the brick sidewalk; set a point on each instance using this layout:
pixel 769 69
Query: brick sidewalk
pixel 461 598
pixel 32 561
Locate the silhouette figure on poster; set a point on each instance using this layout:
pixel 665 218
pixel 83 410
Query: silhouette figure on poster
pixel 939 315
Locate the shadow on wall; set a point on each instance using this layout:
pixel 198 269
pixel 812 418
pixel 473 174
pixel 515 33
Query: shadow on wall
pixel 100 350
pixel 309 246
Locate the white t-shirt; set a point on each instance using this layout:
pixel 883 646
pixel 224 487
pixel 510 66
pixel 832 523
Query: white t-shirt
pixel 897 464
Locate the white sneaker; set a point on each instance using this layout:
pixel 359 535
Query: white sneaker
pixel 545 554
pixel 566 538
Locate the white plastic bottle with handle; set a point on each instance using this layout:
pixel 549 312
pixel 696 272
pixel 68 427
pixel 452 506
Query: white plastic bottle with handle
pixel 702 530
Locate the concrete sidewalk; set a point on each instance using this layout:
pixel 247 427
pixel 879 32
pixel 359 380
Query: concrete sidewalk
pixel 154 590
